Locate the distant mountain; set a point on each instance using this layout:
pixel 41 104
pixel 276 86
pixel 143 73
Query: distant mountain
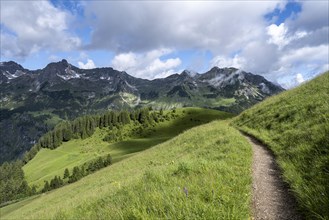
pixel 32 102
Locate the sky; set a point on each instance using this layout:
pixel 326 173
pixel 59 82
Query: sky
pixel 284 41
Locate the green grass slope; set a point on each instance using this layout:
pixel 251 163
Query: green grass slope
pixel 203 173
pixel 295 125
pixel 48 163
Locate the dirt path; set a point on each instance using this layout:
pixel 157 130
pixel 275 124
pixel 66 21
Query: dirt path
pixel 271 197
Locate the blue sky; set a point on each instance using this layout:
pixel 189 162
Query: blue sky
pixel 285 41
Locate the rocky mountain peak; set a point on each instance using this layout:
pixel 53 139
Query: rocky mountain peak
pixel 10 66
pixel 61 65
pixel 189 73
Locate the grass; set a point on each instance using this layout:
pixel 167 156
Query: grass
pixel 169 102
pixel 48 163
pixel 203 173
pixel 295 125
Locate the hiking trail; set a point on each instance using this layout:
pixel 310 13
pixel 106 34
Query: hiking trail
pixel 271 196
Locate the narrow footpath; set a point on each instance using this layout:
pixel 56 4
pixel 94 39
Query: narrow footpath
pixel 271 196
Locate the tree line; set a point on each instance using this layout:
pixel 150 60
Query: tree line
pixel 78 172
pixel 12 183
pixel 83 127
pixel 14 186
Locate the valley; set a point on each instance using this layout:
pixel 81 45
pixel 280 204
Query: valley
pixel 202 173
pixel 49 163
pixel 168 169
pixel 34 101
pixel 154 110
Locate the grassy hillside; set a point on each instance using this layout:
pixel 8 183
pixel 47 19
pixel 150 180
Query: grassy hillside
pixel 295 125
pixel 203 173
pixel 48 163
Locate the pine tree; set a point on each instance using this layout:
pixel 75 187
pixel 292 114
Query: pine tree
pixel 46 187
pixel 24 188
pixel 101 121
pixel 114 118
pixel 67 132
pixel 76 175
pixel 99 164
pixel 66 173
pixel 132 116
pixel 106 119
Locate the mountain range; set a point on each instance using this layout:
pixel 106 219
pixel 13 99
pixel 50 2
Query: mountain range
pixel 33 101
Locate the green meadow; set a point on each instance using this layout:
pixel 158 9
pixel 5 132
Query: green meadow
pixel 295 125
pixel 48 163
pixel 195 165
pixel 203 173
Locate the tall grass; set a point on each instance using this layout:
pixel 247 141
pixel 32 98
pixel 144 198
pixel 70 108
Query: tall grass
pixel 203 173
pixel 295 125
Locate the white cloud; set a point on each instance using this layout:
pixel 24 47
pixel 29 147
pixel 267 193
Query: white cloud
pixel 222 61
pixel 31 26
pixel 131 29
pixel 279 35
pixel 235 33
pixel 314 15
pixel 124 61
pixel 146 65
pixel 88 65
pixel 299 78
pixel 305 55
pixel 143 26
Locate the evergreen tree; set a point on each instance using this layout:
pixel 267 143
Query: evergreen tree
pixel 67 132
pixel 12 182
pixel 76 175
pixel 66 173
pixel 99 164
pixel 132 116
pixel 24 189
pixel 101 121
pixel 46 187
pixel 91 167
pixel 106 119
pixel 125 118
pixel 114 118
pixel 60 181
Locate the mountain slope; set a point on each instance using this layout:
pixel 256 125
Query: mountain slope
pixel 32 102
pixel 202 173
pixel 295 125
pixel 50 163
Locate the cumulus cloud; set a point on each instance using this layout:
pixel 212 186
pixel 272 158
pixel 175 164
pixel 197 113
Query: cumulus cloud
pixel 142 26
pixel 235 33
pixel 299 78
pixel 279 35
pixel 272 50
pixel 88 65
pixel 222 61
pixel 124 61
pixel 146 65
pixel 31 26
